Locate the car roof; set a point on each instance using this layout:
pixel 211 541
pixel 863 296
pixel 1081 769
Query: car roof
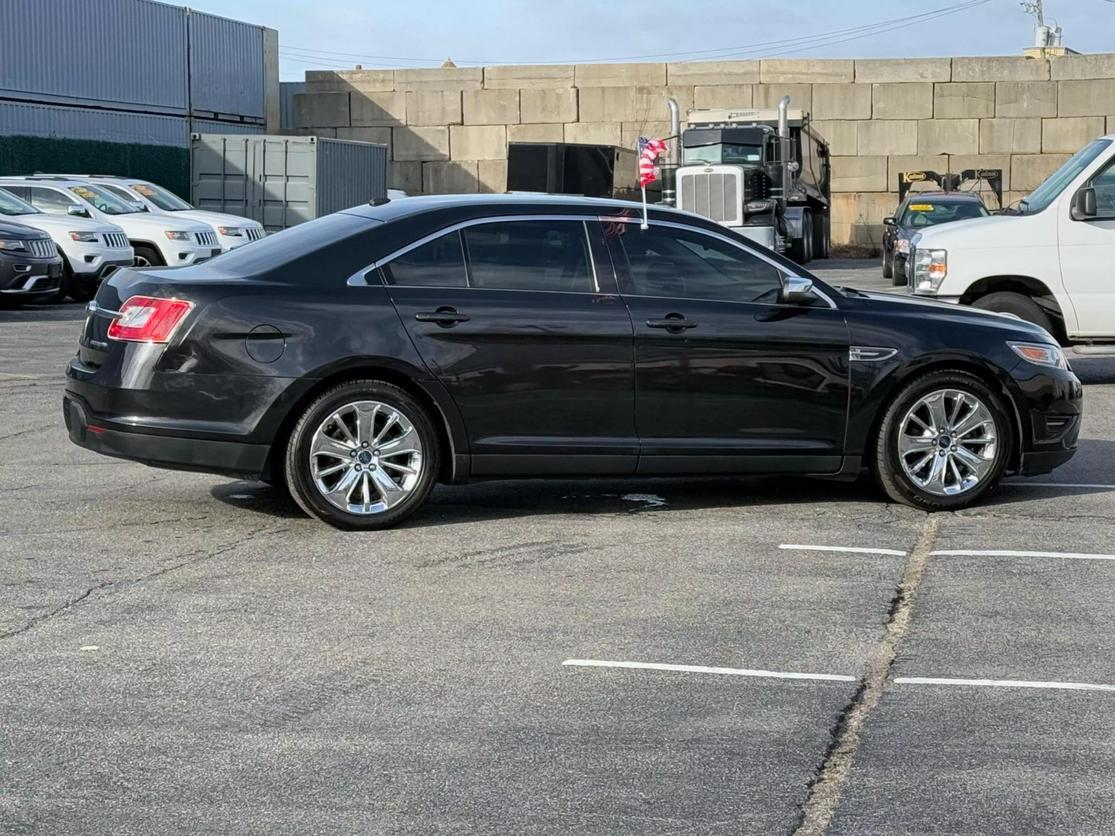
pixel 44 181
pixel 387 210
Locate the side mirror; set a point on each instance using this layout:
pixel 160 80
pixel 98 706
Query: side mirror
pixel 796 291
pixel 1084 204
pixel 77 211
pixel 888 221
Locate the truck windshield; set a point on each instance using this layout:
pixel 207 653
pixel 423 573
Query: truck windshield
pixel 165 200
pixel 726 153
pixel 1056 182
pixel 12 205
pixel 103 201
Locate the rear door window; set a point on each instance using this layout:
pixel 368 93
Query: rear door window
pixel 437 263
pixel 530 255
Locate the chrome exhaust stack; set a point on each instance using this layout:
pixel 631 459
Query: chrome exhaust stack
pixel 673 155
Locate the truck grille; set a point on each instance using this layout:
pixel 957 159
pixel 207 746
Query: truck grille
pixel 41 247
pixel 116 240
pixel 255 233
pixel 206 239
pixel 717 195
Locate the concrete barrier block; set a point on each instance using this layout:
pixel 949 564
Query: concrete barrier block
pixel 631 131
pixel 806 70
pixel 927 162
pixel 960 162
pixel 415 143
pixel 405 176
pixel 528 76
pixel 478 142
pixel 326 132
pixel 650 102
pixel 859 174
pixel 769 95
pixel 1027 171
pixel 1025 98
pixel 433 107
pixel 1069 134
pixel 887 137
pixel 841 101
pixel 880 70
pixel 857 219
pixel 383 108
pixel 964 100
pixel 448 78
pixel 491 176
pixel 607 104
pixel 536 133
pixel 902 100
pixel 1000 68
pixel 1083 66
pixel 619 75
pixel 455 177
pixel 1010 136
pixel 730 95
pixel 842 136
pixel 595 133
pixel 321 110
pixel 713 73
pixel 948 136
pixel 548 105
pixel 1085 98
pixel 319 81
pixel 491 107
pixel 381 136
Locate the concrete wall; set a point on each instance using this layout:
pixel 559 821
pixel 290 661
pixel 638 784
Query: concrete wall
pixel 448 128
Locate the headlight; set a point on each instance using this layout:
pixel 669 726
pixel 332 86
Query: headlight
pixel 231 231
pixel 903 246
pixel 179 236
pixel 1042 354
pixel 930 269
pixel 85 237
pixel 13 244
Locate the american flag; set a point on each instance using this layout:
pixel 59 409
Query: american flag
pixel 649 149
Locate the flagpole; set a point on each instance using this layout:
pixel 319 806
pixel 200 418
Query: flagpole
pixel 645 224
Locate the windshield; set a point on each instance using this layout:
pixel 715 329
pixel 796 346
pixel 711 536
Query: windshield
pixel 103 200
pixel 12 205
pixel 1056 182
pixel 918 215
pixel 164 199
pixel 729 153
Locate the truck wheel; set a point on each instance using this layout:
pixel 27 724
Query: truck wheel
pixel 821 235
pixel 801 249
pixel 148 256
pixel 888 269
pixel 1017 305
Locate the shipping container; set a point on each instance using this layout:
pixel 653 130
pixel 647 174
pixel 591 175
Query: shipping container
pixel 281 181
pixel 227 74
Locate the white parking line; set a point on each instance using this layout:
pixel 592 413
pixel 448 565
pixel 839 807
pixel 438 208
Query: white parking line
pixel 1010 553
pixel 1003 683
pixel 658 666
pixel 847 549
pixel 1082 485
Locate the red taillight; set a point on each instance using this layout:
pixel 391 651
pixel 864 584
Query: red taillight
pixel 145 319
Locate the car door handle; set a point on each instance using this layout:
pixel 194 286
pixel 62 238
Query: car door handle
pixel 672 322
pixel 445 317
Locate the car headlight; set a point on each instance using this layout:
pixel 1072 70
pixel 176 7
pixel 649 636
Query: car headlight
pixel 85 237
pixel 1042 354
pixel 231 231
pixel 902 245
pixel 13 244
pixel 930 269
pixel 179 236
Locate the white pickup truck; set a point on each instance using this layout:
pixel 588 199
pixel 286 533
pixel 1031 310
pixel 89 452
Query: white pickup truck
pixel 1050 261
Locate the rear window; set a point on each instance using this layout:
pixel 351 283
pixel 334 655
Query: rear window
pixel 530 255
pixel 437 263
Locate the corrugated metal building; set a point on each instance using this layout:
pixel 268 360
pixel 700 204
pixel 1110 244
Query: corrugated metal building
pixel 119 85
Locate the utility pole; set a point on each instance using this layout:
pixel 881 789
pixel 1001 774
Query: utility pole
pixel 1033 7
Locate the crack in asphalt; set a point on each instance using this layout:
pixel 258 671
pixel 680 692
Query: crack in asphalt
pixel 191 558
pixel 828 783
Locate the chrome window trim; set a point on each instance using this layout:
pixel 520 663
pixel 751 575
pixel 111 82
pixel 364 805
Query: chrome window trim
pixel 359 278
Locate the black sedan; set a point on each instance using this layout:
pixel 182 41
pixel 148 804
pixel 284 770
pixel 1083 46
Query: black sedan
pixel 362 357
pixel 917 211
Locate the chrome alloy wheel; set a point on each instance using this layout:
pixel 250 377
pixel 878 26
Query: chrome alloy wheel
pixel 366 457
pixel 947 442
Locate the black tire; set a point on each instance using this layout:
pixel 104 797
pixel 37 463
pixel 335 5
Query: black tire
pixel 888 268
pixel 79 289
pixel 149 254
pixel 821 235
pixel 300 481
pixel 891 476
pixel 898 277
pixel 1017 305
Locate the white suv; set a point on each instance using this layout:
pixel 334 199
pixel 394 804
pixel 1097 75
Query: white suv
pixel 232 230
pixel 157 239
pixel 90 249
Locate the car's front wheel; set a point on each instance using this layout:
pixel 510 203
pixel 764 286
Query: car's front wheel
pixel 944 442
pixel 363 456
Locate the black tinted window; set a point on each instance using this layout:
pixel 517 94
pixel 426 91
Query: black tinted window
pixel 680 264
pixel 437 263
pixel 530 255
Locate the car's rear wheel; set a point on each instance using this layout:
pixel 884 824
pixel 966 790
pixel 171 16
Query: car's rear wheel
pixel 944 442
pixel 1015 304
pixel 363 456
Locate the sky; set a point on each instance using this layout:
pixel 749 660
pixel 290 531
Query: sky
pixel 338 34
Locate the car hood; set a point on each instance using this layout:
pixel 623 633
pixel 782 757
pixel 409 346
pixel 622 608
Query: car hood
pixel 16 229
pixel 157 224
pixel 915 308
pixel 997 231
pixel 214 218
pixel 63 223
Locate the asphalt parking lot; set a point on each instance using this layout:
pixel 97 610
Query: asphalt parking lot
pixel 184 654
